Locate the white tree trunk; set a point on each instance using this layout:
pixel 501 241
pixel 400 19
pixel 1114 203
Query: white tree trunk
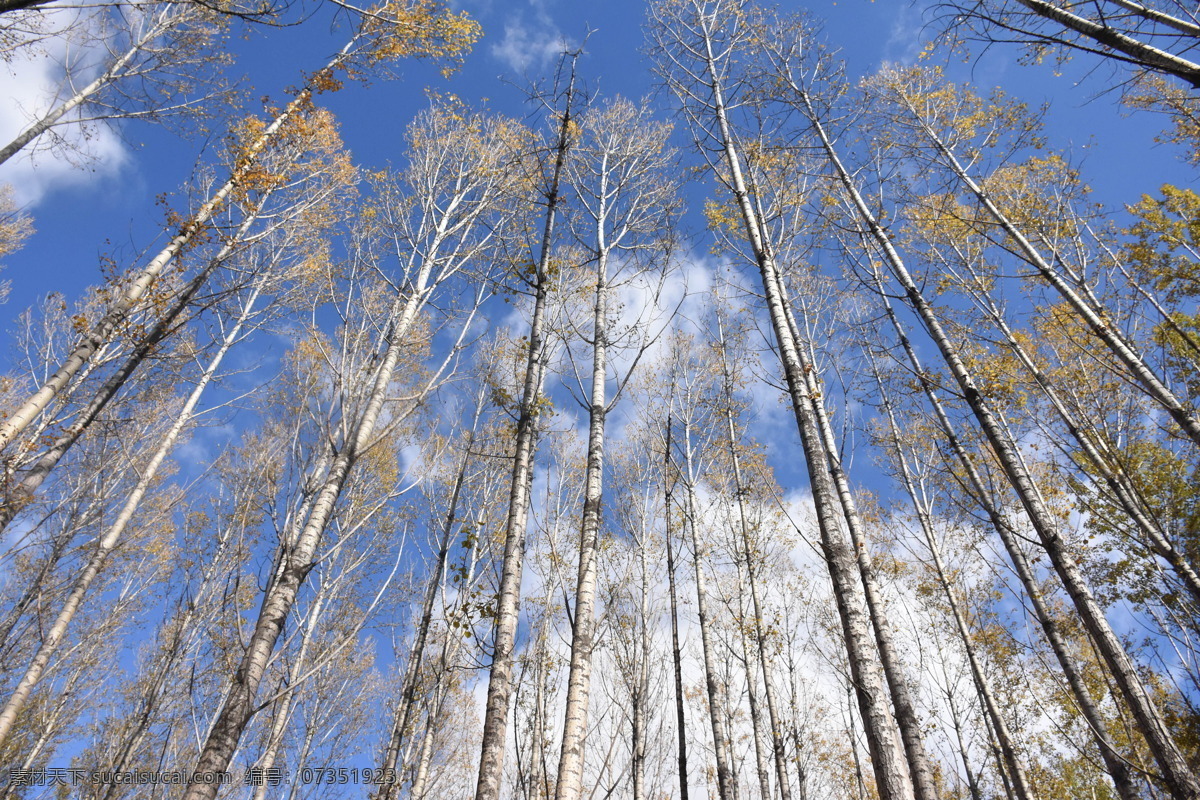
pixel 504 638
pixel 889 759
pixel 583 632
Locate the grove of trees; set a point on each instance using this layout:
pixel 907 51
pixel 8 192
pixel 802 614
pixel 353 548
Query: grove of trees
pixel 787 433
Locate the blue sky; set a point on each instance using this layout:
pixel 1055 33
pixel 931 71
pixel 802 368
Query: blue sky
pixel 108 204
pixel 111 205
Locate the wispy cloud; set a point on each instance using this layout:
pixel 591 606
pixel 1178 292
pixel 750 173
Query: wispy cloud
pixel 907 36
pixel 529 44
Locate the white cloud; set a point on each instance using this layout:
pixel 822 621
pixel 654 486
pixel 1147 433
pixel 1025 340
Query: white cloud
pixel 28 87
pixel 907 36
pixel 529 46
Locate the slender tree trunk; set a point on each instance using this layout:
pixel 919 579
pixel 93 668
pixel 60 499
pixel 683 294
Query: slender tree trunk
pixel 283 705
pixel 36 586
pixel 1181 25
pixel 762 770
pixel 972 783
pixel 1125 493
pixel 1180 781
pixel 676 650
pixel 53 116
pixel 906 714
pixel 583 633
pixel 164 665
pixel 495 721
pixel 1115 765
pixel 424 759
pixel 797 740
pixel 402 719
pixel 858 770
pixel 637 765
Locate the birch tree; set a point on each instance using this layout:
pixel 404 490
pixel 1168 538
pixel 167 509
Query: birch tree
pixel 535 256
pixel 698 44
pixel 618 172
pixel 1158 35
pixel 149 56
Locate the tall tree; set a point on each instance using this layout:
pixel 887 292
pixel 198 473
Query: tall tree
pixel 547 180
pixel 618 170
pixel 458 178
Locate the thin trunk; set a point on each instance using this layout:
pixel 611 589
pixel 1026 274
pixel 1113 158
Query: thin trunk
pixel 165 663
pixel 541 741
pixel 1115 765
pixel 495 721
pixel 301 761
pixel 890 661
pixel 52 117
pixel 1180 781
pixel 1154 15
pixel 995 747
pixel 283 705
pixel 762 769
pixel 424 758
pixel 797 740
pixel 583 632
pixel 858 772
pixel 59 543
pixel 1122 489
pixel 641 679
pixel 676 650
pixel 972 783
pixel 402 718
